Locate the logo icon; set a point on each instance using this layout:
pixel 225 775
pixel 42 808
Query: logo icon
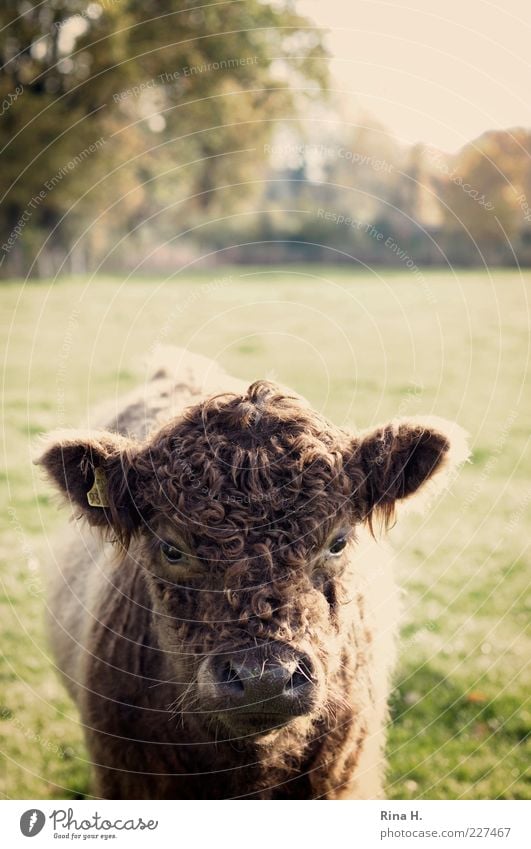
pixel 32 822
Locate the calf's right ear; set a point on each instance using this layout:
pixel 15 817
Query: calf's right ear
pixel 95 472
pixel 403 460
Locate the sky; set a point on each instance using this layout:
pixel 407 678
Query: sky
pixel 431 71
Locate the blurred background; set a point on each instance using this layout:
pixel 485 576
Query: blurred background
pixel 142 136
pixel 333 195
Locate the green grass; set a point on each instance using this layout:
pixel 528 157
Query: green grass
pixel 362 348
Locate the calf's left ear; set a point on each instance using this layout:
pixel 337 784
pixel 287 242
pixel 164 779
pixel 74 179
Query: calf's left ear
pixel 95 472
pixel 403 458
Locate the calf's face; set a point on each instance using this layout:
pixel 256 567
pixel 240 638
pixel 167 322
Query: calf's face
pixel 242 513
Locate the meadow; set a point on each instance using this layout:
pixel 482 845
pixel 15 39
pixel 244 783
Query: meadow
pixel 363 347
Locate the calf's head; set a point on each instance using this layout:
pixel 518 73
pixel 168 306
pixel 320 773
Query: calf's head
pixel 243 514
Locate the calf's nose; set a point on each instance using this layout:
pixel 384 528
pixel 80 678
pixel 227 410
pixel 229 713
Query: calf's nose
pixel 264 684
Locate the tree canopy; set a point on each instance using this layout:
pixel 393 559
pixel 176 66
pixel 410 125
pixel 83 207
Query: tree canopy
pixel 120 111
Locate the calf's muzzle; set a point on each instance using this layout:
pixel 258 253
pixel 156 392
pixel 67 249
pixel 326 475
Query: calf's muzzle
pixel 256 690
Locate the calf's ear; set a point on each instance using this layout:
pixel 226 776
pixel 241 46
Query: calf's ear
pixel 95 472
pixel 403 459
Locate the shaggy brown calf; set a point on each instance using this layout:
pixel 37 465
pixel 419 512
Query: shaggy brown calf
pixel 240 645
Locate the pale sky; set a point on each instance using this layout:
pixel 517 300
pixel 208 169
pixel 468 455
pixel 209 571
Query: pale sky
pixel 438 71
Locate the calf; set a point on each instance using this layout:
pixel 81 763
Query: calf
pixel 224 617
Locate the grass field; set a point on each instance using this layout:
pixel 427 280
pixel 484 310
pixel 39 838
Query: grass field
pixel 362 348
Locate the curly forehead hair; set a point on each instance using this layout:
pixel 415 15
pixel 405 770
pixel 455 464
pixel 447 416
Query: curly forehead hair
pixel 239 469
pixel 264 417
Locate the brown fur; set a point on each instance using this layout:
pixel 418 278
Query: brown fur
pixel 253 485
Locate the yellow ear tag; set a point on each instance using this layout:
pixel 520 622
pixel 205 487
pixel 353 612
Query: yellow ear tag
pixel 97 496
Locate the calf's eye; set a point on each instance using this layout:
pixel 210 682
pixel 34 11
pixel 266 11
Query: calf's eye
pixel 338 546
pixel 171 553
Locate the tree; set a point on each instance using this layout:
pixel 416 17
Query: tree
pixel 138 107
pixel 484 188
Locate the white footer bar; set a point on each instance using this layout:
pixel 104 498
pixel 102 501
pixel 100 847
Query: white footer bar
pixel 266 825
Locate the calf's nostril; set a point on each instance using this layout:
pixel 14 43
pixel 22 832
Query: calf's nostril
pixel 298 679
pixel 301 677
pixel 229 676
